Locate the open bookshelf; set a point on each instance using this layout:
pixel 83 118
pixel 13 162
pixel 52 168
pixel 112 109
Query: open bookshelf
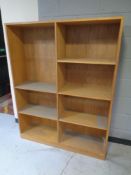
pixel 64 76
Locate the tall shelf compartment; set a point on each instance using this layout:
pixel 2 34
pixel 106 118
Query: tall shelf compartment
pixel 64 79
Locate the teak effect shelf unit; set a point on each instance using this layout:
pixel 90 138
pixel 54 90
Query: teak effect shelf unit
pixel 64 77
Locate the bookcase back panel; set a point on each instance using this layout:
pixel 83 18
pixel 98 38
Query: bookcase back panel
pixel 89 41
pixel 45 99
pixel 82 130
pixel 31 122
pixel 84 105
pixel 87 74
pixel 25 98
pixel 39 48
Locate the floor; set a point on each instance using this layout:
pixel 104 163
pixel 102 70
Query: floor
pixel 23 157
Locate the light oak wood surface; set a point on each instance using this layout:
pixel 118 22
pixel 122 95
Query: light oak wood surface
pixel 40 111
pixel 38 86
pixel 64 74
pixel 85 119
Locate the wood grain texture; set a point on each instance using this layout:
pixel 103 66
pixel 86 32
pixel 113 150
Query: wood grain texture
pixel 33 50
pixel 89 81
pixel 35 98
pixel 89 41
pixel 84 119
pixel 83 105
pixel 64 74
pixel 39 47
pixel 40 111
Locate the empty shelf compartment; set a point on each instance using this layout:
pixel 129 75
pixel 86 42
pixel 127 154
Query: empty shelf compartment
pixel 95 42
pixel 85 112
pixel 37 104
pixel 38 129
pixel 88 81
pixel 84 140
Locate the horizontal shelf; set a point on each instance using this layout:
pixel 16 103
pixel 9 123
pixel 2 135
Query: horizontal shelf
pixel 37 86
pixel 87 61
pixel 85 119
pixel 2 56
pixel 87 91
pixel 84 144
pixel 40 111
pixel 41 134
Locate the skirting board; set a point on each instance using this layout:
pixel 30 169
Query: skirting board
pixel 111 139
pixel 16 120
pixel 119 140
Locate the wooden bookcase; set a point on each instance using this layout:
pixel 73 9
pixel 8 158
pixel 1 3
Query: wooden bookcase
pixel 64 76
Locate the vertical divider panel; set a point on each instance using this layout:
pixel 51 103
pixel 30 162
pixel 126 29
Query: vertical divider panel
pixel 57 98
pixel 114 79
pixel 60 52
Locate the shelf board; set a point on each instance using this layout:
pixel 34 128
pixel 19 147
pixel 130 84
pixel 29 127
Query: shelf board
pixel 37 86
pixel 40 111
pixel 84 144
pixel 85 119
pixel 99 61
pixel 42 134
pixel 87 91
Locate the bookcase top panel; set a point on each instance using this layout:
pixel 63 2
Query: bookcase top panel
pixel 114 19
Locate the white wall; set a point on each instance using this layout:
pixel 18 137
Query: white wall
pixel 17 11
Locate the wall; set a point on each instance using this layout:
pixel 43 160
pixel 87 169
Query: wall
pixel 17 11
pixel 52 9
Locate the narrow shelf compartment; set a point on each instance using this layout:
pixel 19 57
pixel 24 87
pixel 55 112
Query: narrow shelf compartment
pixel 37 86
pixel 100 61
pixel 40 111
pixel 85 119
pixel 38 129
